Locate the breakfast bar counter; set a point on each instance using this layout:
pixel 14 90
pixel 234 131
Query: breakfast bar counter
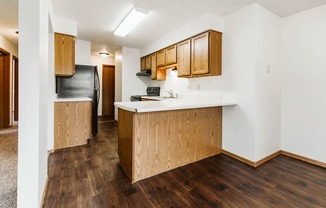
pixel 157 136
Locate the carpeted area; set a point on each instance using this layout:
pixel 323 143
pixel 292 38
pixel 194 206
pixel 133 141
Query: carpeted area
pixel 8 167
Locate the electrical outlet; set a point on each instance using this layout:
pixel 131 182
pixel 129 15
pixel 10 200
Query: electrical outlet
pixel 198 86
pixel 268 69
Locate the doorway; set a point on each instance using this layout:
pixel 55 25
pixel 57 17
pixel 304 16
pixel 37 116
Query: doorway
pixel 15 87
pixel 4 89
pixel 108 89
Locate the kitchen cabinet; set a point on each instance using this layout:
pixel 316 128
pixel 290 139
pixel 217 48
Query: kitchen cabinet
pixel 153 63
pixel 171 55
pixel 206 54
pixel 72 123
pixel 148 63
pixel 183 59
pixel 160 58
pixel 64 55
pixel 140 135
pixel 157 73
pixel 143 64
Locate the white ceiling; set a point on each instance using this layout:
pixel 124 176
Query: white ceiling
pixel 98 19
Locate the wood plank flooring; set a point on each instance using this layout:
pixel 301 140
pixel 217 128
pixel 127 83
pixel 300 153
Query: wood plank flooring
pixel 90 176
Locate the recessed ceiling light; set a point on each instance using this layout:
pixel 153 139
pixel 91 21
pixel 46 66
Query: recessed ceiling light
pixel 134 17
pixel 104 54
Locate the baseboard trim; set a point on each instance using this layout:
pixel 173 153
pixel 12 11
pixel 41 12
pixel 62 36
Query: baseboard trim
pixel 237 157
pixel 305 159
pixel 45 190
pixel 265 159
pixel 280 152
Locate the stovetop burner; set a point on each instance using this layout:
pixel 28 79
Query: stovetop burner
pixel 151 91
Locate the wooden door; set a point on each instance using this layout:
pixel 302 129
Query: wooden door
pixel 184 58
pixel 171 55
pixel 160 58
pixel 199 55
pixel 148 63
pixel 4 89
pixel 153 60
pixel 64 64
pixel 108 90
pixel 143 64
pixel 15 89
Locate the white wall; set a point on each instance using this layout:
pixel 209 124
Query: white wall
pixel 251 41
pixel 13 50
pixel 118 80
pixel 99 61
pixel 82 52
pixel 132 84
pixel 33 97
pixel 304 83
pixel 204 22
pixel 63 26
pixel 268 83
pixel 126 82
pixel 239 66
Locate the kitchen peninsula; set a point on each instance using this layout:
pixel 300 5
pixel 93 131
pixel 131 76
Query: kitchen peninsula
pixel 157 136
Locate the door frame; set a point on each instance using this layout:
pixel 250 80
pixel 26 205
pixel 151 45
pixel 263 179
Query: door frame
pixel 5 96
pixel 113 66
pixel 15 87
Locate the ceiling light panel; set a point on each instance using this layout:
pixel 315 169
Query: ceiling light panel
pixel 134 17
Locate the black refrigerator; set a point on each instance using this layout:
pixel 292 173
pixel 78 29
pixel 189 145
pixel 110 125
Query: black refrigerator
pixel 84 83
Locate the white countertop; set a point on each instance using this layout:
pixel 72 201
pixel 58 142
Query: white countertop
pixel 174 104
pixel 81 99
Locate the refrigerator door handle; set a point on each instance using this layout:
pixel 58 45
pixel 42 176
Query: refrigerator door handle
pixel 98 87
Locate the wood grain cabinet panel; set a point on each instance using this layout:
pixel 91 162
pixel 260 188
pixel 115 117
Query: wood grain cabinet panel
pixel 155 142
pixel 183 59
pixel 142 63
pixel 64 55
pixel 171 55
pixel 72 123
pixel 206 54
pixel 148 62
pixel 153 64
pixel 160 58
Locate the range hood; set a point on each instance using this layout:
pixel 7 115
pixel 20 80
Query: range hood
pixel 144 73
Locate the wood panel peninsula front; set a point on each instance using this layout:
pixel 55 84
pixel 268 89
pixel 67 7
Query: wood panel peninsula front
pixel 157 136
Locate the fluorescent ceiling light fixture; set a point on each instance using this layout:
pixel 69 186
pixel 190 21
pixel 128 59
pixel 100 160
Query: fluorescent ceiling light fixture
pixel 104 54
pixel 134 17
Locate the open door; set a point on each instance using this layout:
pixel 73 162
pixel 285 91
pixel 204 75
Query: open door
pixel 4 89
pixel 108 89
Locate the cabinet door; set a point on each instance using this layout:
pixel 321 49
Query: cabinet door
pixel 200 55
pixel 148 62
pixel 64 55
pixel 184 58
pixel 153 62
pixel 171 55
pixel 143 63
pixel 160 58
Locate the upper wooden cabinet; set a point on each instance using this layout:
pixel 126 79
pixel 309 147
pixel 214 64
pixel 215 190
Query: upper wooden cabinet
pixel 64 55
pixel 171 55
pixel 148 63
pixel 200 55
pixel 143 63
pixel 160 58
pixel 206 54
pixel 184 58
pixel 153 60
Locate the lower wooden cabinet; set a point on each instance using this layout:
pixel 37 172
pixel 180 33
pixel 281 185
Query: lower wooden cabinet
pixel 72 123
pixel 150 143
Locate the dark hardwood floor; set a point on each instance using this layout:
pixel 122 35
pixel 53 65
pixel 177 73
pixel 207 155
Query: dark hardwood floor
pixel 90 176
